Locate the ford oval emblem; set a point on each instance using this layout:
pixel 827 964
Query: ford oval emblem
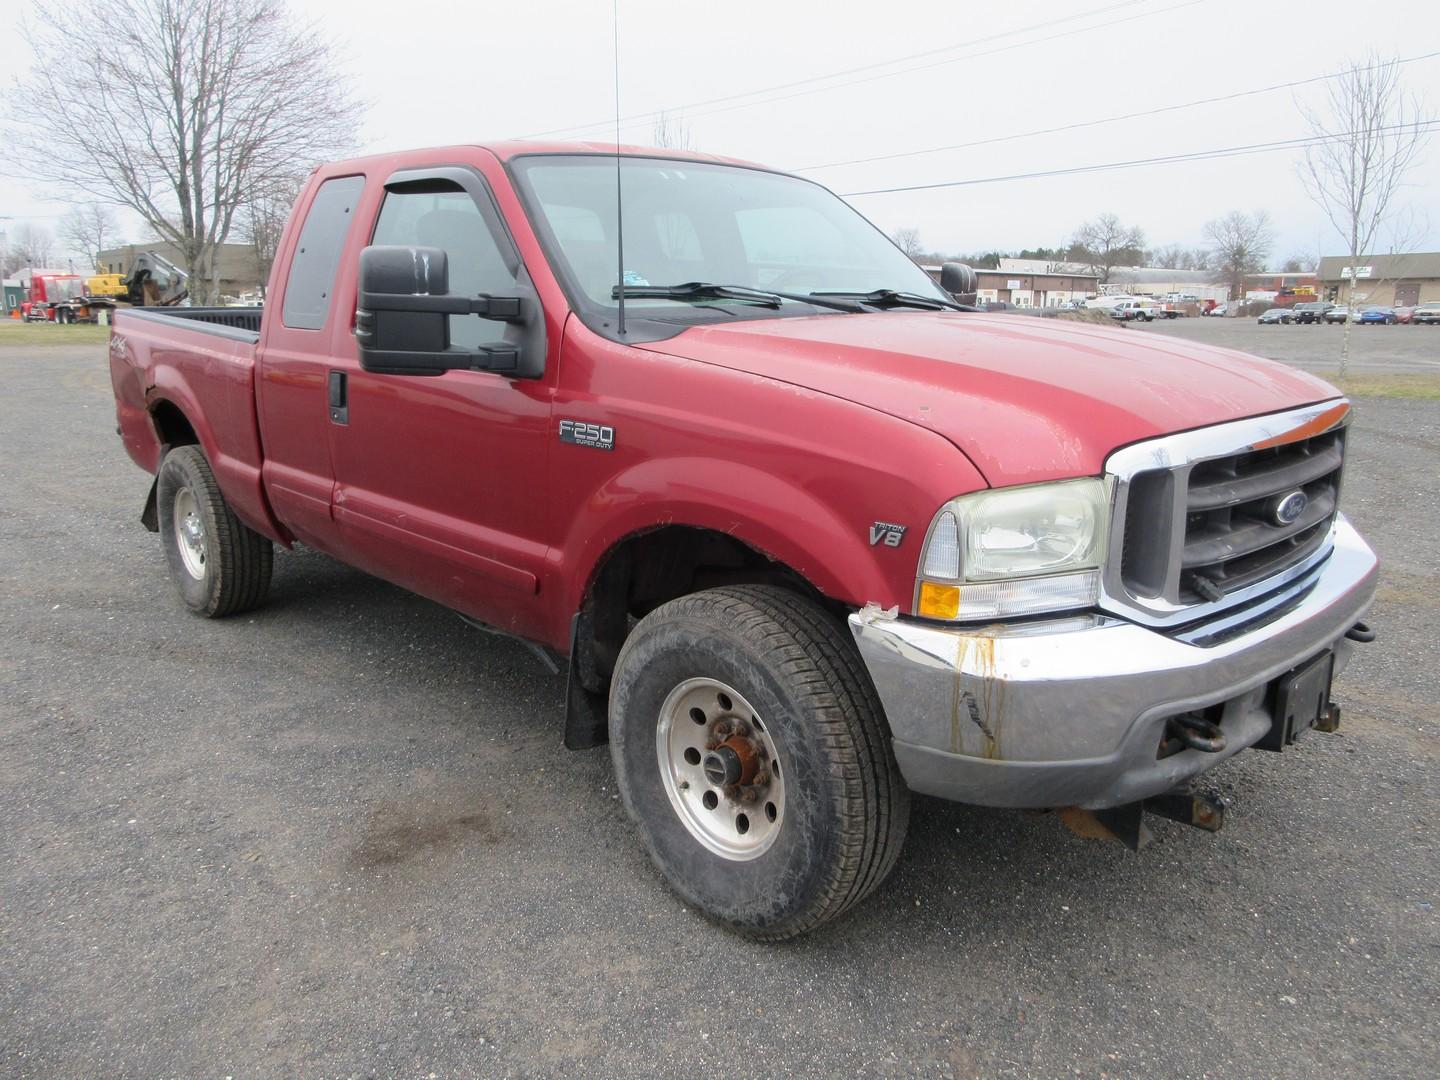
pixel 1290 507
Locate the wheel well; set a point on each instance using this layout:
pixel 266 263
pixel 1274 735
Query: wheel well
pixel 172 426
pixel 648 569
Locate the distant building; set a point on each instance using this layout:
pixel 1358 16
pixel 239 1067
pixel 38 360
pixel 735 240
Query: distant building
pixel 1162 281
pixel 1041 266
pixel 239 267
pixel 1036 289
pixel 1392 280
pixel 1272 285
pixel 14 294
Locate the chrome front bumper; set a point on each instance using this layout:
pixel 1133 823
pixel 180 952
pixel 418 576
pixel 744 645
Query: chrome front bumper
pixel 1071 711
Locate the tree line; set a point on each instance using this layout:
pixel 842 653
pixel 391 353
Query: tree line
pixel 1237 244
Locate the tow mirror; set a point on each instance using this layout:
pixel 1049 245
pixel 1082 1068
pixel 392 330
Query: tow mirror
pixel 402 316
pixel 958 279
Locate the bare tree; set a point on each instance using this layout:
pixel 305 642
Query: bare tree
pixel 204 98
pixel 1195 259
pixel 1303 262
pixel 1105 243
pixel 671 132
pixel 1239 243
pixel 1369 133
pixel 908 241
pixel 88 230
pixel 28 245
pixel 262 220
pixel 1169 257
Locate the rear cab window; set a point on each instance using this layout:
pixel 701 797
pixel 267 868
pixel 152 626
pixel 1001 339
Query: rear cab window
pixel 310 284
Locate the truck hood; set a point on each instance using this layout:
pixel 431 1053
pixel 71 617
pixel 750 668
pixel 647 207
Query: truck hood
pixel 1026 399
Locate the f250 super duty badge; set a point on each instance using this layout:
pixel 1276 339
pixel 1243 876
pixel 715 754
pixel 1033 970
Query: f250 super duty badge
pixel 581 433
pixel 884 531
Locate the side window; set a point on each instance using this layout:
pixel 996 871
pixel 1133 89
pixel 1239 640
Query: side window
pixel 322 238
pixel 431 215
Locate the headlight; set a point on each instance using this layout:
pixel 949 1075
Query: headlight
pixel 1015 551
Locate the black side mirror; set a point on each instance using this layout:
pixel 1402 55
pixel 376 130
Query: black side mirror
pixel 402 318
pixel 958 279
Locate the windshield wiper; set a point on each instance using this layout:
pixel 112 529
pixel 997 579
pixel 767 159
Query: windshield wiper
pixel 887 298
pixel 707 290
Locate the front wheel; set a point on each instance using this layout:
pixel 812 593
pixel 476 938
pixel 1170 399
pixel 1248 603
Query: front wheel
pixel 752 753
pixel 220 566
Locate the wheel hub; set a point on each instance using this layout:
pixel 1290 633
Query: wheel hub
pixel 720 767
pixel 190 533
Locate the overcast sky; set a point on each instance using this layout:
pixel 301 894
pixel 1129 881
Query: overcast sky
pixel 440 72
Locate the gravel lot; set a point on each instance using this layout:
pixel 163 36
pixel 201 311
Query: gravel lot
pixel 340 837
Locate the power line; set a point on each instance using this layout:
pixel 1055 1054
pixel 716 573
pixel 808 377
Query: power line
pixel 1110 119
pixel 1168 159
pixel 731 102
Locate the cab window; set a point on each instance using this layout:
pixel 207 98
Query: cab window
pixel 438 214
pixel 311 281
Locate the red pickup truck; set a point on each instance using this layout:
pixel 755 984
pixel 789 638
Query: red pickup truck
pixel 812 535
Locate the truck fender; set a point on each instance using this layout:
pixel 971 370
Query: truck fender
pixel 767 513
pixel 240 481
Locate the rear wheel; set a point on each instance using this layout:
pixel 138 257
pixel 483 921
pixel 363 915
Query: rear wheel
pixel 752 753
pixel 220 566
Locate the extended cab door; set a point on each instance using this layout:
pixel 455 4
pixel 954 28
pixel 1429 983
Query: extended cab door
pixel 441 479
pixel 294 358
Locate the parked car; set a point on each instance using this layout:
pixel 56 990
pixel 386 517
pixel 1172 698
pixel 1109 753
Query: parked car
pixel 1141 310
pixel 1312 312
pixel 1219 310
pixel 1274 315
pixel 1404 314
pixel 1377 314
pixel 807 550
pixel 1337 314
pixel 997 305
pixel 1428 314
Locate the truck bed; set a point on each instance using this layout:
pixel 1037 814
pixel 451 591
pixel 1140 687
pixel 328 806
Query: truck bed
pixel 199 364
pixel 240 323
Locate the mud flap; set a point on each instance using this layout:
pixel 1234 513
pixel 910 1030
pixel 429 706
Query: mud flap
pixel 587 713
pixel 150 516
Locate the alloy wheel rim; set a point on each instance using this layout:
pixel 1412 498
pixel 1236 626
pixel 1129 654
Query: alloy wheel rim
pixel 721 769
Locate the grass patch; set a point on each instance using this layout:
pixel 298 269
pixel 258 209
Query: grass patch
pixel 15 334
pixel 1420 387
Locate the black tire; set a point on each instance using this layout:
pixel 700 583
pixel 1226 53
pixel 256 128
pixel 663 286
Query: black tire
pixel 842 829
pixel 233 571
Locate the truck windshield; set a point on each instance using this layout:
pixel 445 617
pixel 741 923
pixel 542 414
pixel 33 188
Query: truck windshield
pixel 59 289
pixel 698 222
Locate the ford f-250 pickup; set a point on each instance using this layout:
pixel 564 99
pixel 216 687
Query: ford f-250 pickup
pixel 812 535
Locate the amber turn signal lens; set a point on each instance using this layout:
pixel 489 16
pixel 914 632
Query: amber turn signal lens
pixel 939 601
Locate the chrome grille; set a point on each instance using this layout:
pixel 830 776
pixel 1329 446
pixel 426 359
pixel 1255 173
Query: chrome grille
pixel 1196 526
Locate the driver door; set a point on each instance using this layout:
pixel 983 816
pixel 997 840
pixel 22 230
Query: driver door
pixel 441 480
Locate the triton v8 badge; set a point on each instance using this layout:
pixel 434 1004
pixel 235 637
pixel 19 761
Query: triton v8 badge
pixel 595 436
pixel 890 534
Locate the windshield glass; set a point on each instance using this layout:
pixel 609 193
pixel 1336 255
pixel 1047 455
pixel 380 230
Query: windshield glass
pixel 58 289
pixel 687 221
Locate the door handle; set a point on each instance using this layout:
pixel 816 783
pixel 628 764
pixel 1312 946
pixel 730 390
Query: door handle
pixel 339 397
